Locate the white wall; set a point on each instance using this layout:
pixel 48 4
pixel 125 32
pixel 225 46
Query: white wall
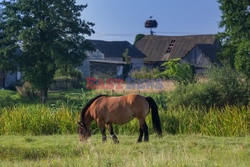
pixel 85 68
pixel 10 78
pixel 137 63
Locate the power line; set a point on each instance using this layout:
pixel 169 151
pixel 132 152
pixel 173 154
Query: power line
pixel 134 34
pixel 180 33
pixel 114 34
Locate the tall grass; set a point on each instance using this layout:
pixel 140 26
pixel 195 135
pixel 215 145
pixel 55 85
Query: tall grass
pixel 37 120
pixel 227 121
pixel 43 120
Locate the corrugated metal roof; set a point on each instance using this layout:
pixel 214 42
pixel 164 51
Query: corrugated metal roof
pixel 155 47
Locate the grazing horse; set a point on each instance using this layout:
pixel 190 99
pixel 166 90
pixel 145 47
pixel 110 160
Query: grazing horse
pixel 118 110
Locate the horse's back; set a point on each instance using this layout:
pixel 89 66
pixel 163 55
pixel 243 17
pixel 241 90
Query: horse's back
pixel 121 109
pixel 129 106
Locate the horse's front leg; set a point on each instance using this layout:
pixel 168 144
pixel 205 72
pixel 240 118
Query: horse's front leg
pixel 111 131
pixel 103 130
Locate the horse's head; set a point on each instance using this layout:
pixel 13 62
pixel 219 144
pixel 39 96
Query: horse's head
pixel 83 132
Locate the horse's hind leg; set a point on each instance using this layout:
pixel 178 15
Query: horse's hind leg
pixel 111 131
pixel 145 129
pixel 141 123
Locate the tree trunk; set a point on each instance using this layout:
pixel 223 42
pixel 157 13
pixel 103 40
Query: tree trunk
pixel 44 95
pixel 2 79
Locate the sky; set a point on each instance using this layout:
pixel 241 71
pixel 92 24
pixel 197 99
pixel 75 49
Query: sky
pixel 121 20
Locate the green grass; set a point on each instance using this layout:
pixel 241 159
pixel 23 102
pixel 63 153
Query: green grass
pixel 74 98
pixel 8 98
pixel 178 150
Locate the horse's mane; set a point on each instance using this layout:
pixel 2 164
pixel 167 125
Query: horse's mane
pixel 88 105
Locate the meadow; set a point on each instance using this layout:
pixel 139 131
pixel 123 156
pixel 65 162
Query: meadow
pixel 171 150
pixel 32 134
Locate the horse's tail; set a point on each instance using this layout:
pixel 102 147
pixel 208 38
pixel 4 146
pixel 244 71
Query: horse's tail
pixel 155 115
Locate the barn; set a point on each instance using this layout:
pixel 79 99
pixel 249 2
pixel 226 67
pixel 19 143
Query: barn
pixel 197 50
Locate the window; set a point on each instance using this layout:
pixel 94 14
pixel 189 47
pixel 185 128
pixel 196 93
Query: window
pixel 168 50
pixel 170 46
pixel 172 41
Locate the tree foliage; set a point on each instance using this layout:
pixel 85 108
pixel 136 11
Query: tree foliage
pixel 182 73
pixel 242 58
pixel 8 48
pixel 127 66
pixel 236 37
pixel 50 35
pixel 138 37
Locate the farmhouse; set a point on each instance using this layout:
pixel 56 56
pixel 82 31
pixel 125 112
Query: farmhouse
pixel 108 59
pixel 7 80
pixel 107 69
pixel 197 50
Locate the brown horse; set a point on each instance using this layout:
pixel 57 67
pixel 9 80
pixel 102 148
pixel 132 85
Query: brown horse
pixel 118 110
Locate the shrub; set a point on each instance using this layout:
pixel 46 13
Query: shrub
pixel 224 87
pixel 26 91
pixel 195 95
pixel 145 73
pixel 233 87
pixel 68 73
pixel 182 73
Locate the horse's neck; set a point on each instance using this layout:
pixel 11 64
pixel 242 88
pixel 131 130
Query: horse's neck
pixel 88 119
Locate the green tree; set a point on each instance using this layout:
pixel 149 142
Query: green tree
pixel 50 34
pixel 127 66
pixel 8 51
pixel 126 57
pixel 235 20
pixel 242 58
pixel 182 73
pixel 138 37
